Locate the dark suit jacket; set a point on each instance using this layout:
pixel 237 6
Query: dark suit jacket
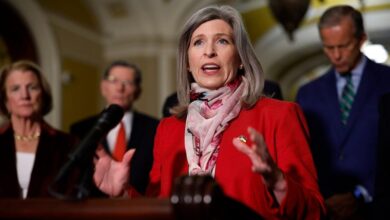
pixel 141 138
pixel 345 155
pixel 271 89
pixel 382 183
pixel 52 152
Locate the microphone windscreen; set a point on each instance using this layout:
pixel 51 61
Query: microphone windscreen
pixel 110 117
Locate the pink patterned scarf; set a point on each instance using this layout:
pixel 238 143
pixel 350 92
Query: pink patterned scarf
pixel 208 115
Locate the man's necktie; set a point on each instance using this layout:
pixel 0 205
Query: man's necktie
pixel 120 144
pixel 347 97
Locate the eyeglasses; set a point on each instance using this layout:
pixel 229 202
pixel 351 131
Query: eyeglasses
pixel 116 81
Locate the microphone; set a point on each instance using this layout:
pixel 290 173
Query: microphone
pixel 84 152
pixel 108 119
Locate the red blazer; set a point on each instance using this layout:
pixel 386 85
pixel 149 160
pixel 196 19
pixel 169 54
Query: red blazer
pixel 285 132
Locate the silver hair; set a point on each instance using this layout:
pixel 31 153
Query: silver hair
pixel 252 69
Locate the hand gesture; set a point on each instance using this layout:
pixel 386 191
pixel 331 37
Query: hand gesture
pixel 262 162
pixel 110 176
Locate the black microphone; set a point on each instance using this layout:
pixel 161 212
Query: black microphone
pixel 108 119
pixel 84 152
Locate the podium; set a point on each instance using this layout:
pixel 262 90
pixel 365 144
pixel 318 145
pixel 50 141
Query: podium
pixel 193 198
pixel 108 209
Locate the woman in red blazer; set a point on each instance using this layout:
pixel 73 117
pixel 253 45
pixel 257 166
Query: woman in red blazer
pixel 255 147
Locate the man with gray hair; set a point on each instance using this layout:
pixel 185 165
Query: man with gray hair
pixel 341 108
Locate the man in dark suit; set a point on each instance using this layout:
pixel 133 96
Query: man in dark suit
pixel 341 108
pixel 271 89
pixel 121 85
pixel 382 183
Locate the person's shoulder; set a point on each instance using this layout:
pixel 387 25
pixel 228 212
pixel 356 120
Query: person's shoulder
pixel 145 118
pixel 311 88
pixel 312 84
pixel 272 89
pixel 81 127
pixel 63 141
pixel 57 133
pixel 269 105
pixel 5 127
pixel 170 102
pixel 171 127
pixel 172 99
pixel 380 71
pixel 172 122
pixel 372 64
pixel 379 75
pixel 85 121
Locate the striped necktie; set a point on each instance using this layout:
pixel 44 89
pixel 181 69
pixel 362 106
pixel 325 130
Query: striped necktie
pixel 347 97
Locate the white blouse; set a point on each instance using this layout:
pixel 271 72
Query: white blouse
pixel 24 165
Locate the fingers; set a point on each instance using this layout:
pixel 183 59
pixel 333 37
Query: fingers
pixel 257 152
pixel 99 153
pixel 241 146
pixel 256 138
pixel 257 162
pixel 128 155
pixel 100 169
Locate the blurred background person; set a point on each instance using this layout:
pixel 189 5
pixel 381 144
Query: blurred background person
pixel 121 85
pixel 254 146
pixel 341 108
pixel 31 152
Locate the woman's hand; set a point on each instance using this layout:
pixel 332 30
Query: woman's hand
pixel 263 163
pixel 110 176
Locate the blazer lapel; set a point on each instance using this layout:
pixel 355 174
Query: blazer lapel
pixel 332 106
pixel 365 90
pixel 132 142
pixel 40 166
pixel 10 184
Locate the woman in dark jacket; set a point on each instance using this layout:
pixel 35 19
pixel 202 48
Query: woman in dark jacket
pixel 31 151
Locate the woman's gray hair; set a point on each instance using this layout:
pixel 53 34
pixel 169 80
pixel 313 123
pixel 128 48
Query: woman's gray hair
pixel 252 67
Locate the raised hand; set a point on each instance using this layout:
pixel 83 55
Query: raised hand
pixel 110 176
pixel 263 163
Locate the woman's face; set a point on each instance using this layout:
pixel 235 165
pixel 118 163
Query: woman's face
pixel 23 93
pixel 212 54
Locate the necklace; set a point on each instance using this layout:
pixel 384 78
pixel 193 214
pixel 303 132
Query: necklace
pixel 27 138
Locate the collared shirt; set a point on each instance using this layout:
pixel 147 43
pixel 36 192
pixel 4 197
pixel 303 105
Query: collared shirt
pixel 113 133
pixel 357 73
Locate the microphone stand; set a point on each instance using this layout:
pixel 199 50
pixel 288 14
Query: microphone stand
pixel 83 186
pixel 83 154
